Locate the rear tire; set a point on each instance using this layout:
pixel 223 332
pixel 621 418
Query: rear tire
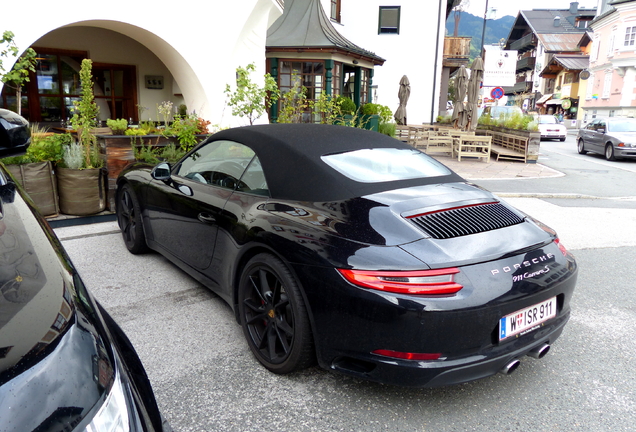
pixel 129 220
pixel 562 139
pixel 581 147
pixel 609 152
pixel 273 316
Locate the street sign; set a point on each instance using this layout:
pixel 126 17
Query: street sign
pixel 497 93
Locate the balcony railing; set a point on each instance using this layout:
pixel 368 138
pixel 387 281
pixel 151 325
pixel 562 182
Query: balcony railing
pixel 526 63
pixel 524 44
pixel 520 87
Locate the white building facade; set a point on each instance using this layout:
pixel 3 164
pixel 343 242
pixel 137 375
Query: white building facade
pixel 144 54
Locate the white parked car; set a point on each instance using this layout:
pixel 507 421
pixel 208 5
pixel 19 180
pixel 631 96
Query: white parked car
pixel 550 128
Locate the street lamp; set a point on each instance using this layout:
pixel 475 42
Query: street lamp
pixel 488 14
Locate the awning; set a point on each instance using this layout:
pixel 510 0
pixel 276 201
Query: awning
pixel 544 98
pixel 553 102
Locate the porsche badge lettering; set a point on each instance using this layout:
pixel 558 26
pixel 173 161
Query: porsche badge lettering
pixel 524 264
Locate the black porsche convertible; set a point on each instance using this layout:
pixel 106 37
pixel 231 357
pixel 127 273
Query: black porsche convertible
pixel 355 250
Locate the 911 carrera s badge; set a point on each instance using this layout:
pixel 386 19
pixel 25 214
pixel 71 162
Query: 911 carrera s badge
pixel 525 264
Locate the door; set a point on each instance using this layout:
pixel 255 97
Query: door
pixel 184 213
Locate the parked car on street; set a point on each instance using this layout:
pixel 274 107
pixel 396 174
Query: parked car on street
pixel 350 248
pixel 65 365
pixel 613 137
pixel 551 128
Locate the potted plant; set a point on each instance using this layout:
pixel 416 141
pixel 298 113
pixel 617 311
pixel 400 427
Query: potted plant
pixel 81 179
pixel 34 171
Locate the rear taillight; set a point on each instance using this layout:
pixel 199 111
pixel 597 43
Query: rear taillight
pixel 562 248
pixel 421 282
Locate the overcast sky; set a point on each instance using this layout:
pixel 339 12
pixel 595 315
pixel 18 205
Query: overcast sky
pixel 511 7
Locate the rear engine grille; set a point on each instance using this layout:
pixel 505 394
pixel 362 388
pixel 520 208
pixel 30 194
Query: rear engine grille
pixel 466 220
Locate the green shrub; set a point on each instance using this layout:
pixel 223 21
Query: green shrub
pixel 74 156
pixel 387 129
pixel 118 126
pixel 49 148
pixel 347 106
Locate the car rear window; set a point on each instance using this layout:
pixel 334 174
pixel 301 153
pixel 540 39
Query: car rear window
pixel 385 164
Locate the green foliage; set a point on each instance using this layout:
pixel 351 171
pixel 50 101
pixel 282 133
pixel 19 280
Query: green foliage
pixel 387 128
pixel 514 121
pixel 327 108
pixel 85 118
pixel 294 103
pixel 443 119
pixel 19 73
pixel 249 99
pixel 118 126
pixel 185 129
pixel 347 105
pixel 146 153
pixel 182 110
pixel 16 160
pixel 171 153
pixel 48 148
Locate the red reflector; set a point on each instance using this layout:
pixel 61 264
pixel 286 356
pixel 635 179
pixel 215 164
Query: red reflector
pixel 420 282
pixel 407 355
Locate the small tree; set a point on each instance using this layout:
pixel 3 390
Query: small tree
pixel 293 103
pixel 85 117
pixel 19 74
pixel 249 99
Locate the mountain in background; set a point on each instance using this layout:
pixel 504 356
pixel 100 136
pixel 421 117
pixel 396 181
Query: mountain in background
pixel 471 25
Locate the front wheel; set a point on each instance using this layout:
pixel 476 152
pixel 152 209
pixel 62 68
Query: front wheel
pixel 273 316
pixel 581 147
pixel 609 152
pixel 129 220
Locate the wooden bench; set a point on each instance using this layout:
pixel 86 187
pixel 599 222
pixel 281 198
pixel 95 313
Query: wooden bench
pixel 473 146
pixel 508 146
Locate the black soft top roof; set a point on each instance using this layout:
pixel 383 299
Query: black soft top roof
pixel 290 156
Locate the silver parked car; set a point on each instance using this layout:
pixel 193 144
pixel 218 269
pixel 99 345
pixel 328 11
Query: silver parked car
pixel 613 137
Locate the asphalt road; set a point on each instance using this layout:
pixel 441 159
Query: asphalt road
pixel 205 378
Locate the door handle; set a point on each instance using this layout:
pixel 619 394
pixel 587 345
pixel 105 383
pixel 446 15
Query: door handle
pixel 206 218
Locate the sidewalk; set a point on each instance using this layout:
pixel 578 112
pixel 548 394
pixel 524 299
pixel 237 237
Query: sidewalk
pixel 479 170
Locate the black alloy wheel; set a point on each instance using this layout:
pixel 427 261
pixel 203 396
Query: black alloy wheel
pixel 129 220
pixel 581 147
pixel 273 316
pixel 609 152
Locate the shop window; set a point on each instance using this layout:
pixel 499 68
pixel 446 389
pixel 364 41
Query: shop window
pixel 49 95
pixel 389 21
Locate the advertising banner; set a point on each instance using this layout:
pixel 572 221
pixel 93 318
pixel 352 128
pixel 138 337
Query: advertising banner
pixel 499 67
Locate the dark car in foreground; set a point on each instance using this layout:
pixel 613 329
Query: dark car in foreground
pixel 355 250
pixel 613 137
pixel 65 365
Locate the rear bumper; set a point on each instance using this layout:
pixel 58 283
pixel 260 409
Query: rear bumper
pixel 350 323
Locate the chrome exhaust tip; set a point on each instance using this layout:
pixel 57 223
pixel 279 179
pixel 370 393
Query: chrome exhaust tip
pixel 510 367
pixel 540 351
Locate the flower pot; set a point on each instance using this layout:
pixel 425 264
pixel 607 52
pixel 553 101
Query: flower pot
pixel 82 192
pixel 38 181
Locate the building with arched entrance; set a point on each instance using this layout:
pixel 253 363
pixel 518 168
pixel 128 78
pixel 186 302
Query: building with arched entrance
pixel 144 54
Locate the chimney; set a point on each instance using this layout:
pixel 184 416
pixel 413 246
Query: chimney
pixel 557 21
pixel 574 8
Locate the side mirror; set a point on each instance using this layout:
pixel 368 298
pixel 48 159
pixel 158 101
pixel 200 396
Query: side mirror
pixel 15 135
pixel 161 172
pixel 600 130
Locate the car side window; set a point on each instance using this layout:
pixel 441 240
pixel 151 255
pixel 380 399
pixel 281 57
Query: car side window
pixel 219 163
pixel 601 125
pixel 592 126
pixel 253 180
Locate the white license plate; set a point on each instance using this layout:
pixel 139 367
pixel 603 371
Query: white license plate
pixel 526 320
